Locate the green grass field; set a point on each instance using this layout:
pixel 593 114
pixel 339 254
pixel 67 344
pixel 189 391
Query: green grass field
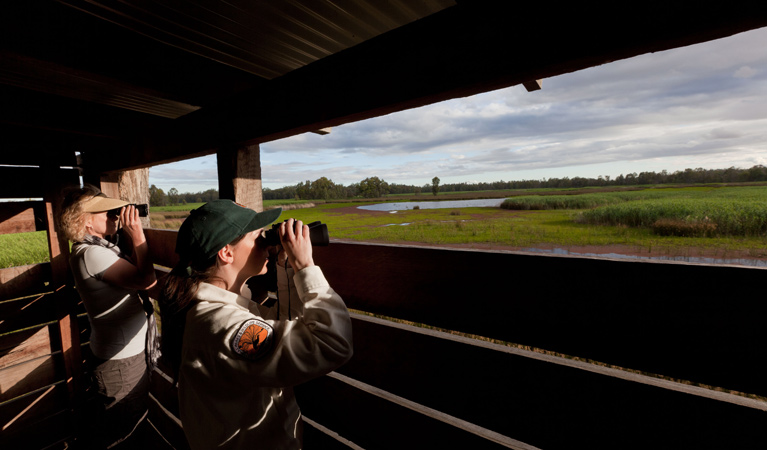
pixel 674 221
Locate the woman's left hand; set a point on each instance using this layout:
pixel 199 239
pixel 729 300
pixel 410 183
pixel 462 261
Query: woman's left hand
pixel 131 224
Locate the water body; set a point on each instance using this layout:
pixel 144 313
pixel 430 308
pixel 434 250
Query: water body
pixel 689 259
pixel 400 206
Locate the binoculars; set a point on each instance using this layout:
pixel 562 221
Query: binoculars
pixel 318 234
pixel 143 210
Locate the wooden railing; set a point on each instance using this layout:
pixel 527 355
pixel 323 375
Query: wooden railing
pixel 474 349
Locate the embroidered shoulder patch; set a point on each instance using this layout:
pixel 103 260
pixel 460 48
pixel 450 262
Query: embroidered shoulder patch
pixel 253 339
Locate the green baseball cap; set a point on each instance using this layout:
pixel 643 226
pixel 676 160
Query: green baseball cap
pixel 213 225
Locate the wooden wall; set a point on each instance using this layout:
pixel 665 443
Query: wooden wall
pixel 39 337
pixel 686 337
pixel 43 326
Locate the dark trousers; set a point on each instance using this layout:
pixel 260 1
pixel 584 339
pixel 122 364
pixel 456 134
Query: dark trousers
pixel 118 403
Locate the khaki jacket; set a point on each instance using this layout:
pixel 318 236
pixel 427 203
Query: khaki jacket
pixel 238 366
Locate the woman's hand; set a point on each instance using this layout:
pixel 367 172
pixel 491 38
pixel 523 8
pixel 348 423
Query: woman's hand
pixel 294 236
pixel 131 225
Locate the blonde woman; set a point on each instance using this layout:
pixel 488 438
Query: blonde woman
pixel 109 276
pixel 237 360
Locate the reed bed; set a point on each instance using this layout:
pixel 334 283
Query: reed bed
pixel 699 216
pixel 721 212
pixel 700 211
pixel 582 201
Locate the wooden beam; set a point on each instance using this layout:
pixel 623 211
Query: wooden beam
pixel 21 217
pixel 21 280
pixel 532 85
pixel 31 182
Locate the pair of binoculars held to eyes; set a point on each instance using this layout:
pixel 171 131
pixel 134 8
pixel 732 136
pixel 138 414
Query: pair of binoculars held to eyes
pixel 143 210
pixel 318 234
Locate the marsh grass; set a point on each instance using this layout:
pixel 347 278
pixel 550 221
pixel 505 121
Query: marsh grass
pixel 726 212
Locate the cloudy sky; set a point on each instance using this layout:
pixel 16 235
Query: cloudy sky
pixel 698 106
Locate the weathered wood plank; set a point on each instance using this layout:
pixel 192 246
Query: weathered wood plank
pixel 318 436
pixel 23 280
pixel 24 345
pixel 19 415
pixel 26 312
pixel 525 395
pixel 682 324
pixel 30 375
pixel 21 217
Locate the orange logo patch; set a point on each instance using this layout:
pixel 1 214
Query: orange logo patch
pixel 253 339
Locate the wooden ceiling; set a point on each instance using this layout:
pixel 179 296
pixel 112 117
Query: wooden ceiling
pixel 133 83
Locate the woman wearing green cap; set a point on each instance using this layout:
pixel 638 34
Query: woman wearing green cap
pixel 109 278
pixel 236 360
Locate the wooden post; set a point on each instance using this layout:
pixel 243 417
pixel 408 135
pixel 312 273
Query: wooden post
pixel 239 175
pixel 130 185
pixel 61 282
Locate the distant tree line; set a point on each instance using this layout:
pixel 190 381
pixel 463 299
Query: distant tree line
pixel 686 176
pixel 374 187
pixel 157 197
pixel 325 189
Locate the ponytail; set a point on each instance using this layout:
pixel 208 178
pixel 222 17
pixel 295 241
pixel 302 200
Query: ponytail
pixel 176 299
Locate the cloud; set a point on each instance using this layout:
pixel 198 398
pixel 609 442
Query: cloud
pixel 745 72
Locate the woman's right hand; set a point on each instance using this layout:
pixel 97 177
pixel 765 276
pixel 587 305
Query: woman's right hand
pixel 297 244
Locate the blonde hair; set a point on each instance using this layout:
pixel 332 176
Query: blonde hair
pixel 72 219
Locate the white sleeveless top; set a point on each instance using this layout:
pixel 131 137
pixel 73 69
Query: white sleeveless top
pixel 117 317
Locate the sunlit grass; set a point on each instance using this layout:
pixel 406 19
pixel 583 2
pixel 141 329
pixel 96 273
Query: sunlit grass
pixel 21 249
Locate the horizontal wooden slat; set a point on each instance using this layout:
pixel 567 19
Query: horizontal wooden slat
pixel 21 217
pixel 24 345
pixel 375 423
pixel 27 312
pixel 318 436
pixel 544 401
pixel 165 391
pixel 21 414
pixel 51 431
pixel 166 423
pixel 692 322
pixel 29 182
pixel 23 280
pixel 29 376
